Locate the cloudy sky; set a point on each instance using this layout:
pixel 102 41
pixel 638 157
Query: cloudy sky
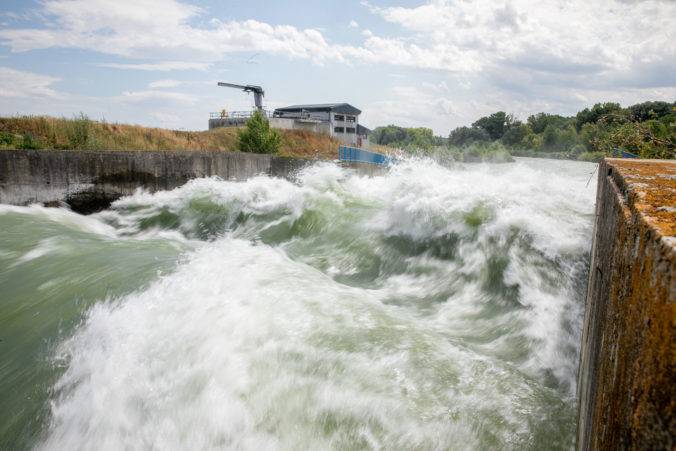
pixel 437 63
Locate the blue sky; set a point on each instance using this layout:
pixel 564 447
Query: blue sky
pixel 438 63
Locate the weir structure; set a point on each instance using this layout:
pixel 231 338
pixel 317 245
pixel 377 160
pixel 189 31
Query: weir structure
pixel 627 380
pixel 90 180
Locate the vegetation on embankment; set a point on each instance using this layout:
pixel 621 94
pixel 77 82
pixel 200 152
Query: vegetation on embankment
pixel 647 130
pixel 82 133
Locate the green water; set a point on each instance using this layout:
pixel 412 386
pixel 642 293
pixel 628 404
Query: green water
pixel 430 308
pixel 54 269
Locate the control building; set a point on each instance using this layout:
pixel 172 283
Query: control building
pixel 340 120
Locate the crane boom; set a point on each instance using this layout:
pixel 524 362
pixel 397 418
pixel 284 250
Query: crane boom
pixel 257 90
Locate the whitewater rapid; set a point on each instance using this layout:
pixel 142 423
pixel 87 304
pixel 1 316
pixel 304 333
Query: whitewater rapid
pixel 429 308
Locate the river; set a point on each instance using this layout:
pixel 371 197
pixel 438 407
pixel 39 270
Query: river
pixel 429 308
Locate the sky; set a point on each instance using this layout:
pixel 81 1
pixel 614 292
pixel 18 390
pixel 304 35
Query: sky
pixel 438 64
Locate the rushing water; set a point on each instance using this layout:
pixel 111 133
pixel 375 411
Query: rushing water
pixel 430 308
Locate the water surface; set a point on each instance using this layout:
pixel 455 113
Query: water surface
pixel 430 308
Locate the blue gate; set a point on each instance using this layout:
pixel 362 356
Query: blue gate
pixel 356 154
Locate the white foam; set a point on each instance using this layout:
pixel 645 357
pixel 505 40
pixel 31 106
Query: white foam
pixel 244 347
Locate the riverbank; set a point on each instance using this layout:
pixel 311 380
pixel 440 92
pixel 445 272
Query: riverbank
pixel 82 133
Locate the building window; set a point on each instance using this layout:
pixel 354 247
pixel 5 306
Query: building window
pixel 339 117
pixel 350 118
pixel 339 129
pixel 350 130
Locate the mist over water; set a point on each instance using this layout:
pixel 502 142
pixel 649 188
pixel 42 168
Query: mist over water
pixel 430 308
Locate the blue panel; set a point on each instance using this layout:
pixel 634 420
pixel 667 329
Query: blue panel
pixel 346 153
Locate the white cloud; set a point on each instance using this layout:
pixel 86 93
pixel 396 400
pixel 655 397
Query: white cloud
pixel 166 119
pixel 587 33
pixel 441 87
pixel 142 96
pixel 159 29
pixel 418 106
pixel 164 66
pixel 20 84
pixel 171 83
pixel 164 84
pixel 353 24
pixel 469 37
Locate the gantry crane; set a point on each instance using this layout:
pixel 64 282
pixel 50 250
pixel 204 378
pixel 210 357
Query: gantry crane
pixel 257 90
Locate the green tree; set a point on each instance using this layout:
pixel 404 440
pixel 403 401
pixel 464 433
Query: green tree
pixel 462 136
pixel 496 124
pixel 651 110
pixel 420 138
pixel 258 137
pixel 389 135
pixel 650 139
pixel 515 134
pixel 597 112
pixel 538 122
pixel 551 138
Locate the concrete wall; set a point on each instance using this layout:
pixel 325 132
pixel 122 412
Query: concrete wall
pixel 275 122
pixel 627 394
pixel 90 180
pixel 227 122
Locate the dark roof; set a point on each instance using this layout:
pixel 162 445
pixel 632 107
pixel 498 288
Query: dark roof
pixel 345 108
pixel 361 130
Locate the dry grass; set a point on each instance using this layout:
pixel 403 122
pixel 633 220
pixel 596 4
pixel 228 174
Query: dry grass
pixel 80 133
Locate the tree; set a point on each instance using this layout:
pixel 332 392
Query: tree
pixel 257 137
pixel 650 139
pixel 538 122
pixel 550 139
pixel 495 124
pixel 420 138
pixel 514 135
pixel 597 112
pixel 651 110
pixel 464 135
pixel 405 138
pixel 389 135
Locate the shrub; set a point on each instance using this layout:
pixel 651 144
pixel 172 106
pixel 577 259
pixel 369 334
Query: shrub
pixel 257 137
pixel 591 156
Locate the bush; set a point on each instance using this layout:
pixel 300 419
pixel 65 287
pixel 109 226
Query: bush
pixel 577 150
pixel 257 137
pixel 9 141
pixel 591 156
pixel 29 142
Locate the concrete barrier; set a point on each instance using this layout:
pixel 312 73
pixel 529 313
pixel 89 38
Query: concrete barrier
pixel 89 181
pixel 627 381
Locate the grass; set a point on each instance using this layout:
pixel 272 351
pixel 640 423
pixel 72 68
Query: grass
pixel 82 133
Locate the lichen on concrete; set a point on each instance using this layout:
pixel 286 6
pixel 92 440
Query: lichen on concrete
pixel 627 389
pixel 653 188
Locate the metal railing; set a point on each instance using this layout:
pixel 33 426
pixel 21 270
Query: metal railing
pixel 355 154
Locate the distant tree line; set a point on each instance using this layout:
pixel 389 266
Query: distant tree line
pixel 419 138
pixel 646 129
